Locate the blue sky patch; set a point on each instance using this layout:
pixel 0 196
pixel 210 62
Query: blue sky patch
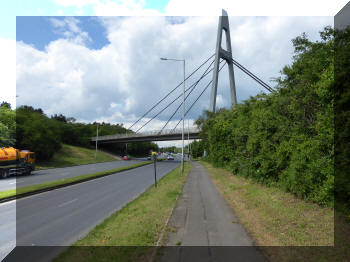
pixel 156 4
pixel 39 31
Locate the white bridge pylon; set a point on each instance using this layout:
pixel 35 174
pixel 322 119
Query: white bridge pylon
pixel 227 56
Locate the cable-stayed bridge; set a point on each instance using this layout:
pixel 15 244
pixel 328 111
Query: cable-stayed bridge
pixel 213 65
pixel 166 135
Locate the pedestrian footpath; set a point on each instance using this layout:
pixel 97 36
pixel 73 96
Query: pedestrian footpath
pixel 203 226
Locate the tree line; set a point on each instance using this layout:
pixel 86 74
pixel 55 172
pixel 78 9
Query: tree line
pixel 30 128
pixel 286 138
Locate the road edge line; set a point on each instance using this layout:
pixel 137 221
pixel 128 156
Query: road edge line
pixel 50 188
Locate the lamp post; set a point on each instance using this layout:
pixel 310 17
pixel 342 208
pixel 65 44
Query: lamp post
pixel 188 137
pixel 96 140
pixel 183 108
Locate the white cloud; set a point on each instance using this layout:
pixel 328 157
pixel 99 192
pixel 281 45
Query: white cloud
pixel 69 29
pixel 8 71
pixel 111 8
pixel 119 82
pixel 254 7
pixel 205 8
pixel 77 3
pixel 123 8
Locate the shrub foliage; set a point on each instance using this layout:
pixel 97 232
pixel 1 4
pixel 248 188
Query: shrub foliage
pixel 285 138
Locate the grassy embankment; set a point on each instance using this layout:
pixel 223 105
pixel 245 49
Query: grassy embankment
pixel 73 155
pixel 275 218
pixel 65 181
pixel 131 233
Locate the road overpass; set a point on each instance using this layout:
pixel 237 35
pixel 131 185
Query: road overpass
pixel 165 135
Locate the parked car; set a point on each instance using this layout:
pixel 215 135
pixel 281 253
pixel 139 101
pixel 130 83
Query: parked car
pixel 170 157
pixel 126 158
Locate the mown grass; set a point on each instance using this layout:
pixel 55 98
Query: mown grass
pixel 276 218
pixel 64 181
pixel 73 155
pixel 131 233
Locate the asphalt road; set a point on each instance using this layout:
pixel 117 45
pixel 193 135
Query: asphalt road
pixel 47 175
pixel 62 216
pixel 7 228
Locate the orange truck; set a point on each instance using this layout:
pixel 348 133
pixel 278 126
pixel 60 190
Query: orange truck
pixel 16 162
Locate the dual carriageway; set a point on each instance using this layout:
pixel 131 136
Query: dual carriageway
pixel 60 217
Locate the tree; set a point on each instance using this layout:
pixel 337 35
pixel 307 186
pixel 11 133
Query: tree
pixel 285 138
pixel 7 125
pixel 60 118
pixel 5 104
pixel 342 116
pixel 197 149
pixel 37 133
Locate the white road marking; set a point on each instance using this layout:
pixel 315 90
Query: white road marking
pixel 7 203
pixel 8 247
pixel 66 203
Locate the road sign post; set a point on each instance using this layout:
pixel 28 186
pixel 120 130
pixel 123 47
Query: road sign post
pixel 154 156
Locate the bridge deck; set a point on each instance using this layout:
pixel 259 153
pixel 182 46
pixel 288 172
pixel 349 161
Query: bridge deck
pixel 166 135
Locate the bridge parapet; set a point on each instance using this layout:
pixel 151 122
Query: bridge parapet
pixel 154 134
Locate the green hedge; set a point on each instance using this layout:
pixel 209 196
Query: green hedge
pixel 285 138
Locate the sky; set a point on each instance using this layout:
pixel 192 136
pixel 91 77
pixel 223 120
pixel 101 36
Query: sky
pixel 98 60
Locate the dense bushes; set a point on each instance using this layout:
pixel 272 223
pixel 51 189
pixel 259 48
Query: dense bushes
pixel 284 138
pixel 197 149
pixel 342 116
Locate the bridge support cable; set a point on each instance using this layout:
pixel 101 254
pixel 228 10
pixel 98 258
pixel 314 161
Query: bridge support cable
pixel 171 91
pixel 190 88
pixel 245 70
pixel 206 87
pixel 206 72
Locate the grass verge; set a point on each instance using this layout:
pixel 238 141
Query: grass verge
pixel 23 191
pixel 131 233
pixel 276 218
pixel 73 155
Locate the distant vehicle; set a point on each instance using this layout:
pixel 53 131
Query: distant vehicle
pixel 170 157
pixel 153 153
pixel 126 158
pixel 16 162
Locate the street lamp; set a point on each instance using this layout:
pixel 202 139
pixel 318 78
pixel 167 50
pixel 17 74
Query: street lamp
pixel 183 109
pixel 188 138
pixel 96 140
